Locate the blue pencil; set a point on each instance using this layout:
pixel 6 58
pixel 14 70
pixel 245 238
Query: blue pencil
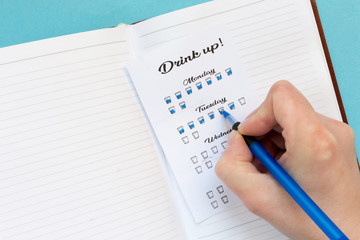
pixel 295 191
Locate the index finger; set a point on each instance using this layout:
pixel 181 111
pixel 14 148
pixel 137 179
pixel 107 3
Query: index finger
pixel 284 106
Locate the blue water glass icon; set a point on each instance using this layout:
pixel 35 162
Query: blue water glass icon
pixel 208 81
pixel 231 106
pixel 201 120
pixel 228 71
pixel 167 100
pixel 178 95
pixel 221 110
pixel 188 90
pixel 191 125
pixel 182 105
pixel 199 85
pixel 218 76
pixel 172 110
pixel 211 115
pixel 181 130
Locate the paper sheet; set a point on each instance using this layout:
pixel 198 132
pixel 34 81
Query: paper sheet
pixel 184 86
pixel 77 159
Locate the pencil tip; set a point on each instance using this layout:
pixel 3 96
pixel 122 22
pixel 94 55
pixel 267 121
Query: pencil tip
pixel 225 113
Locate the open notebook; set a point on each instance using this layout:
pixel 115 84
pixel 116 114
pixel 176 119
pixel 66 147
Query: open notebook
pixel 78 158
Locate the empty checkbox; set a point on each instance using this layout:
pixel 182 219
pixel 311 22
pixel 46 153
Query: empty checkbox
pixel 210 194
pixel 220 189
pixel 204 154
pixel 214 149
pixel 194 159
pixel 223 144
pixel 185 140
pixel 225 199
pixel 242 101
pixel 195 135
pixel 214 204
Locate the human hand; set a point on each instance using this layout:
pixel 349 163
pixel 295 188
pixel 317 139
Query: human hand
pixel 318 152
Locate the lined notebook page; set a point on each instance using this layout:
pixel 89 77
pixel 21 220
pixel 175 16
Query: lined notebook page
pixel 77 160
pixel 276 39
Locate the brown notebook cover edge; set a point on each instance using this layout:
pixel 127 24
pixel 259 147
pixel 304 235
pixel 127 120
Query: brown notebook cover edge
pixel 328 60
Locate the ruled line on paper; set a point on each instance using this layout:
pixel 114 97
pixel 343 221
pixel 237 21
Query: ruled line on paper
pixel 230 228
pixel 19 233
pixel 117 187
pixel 126 90
pixel 63 73
pixel 71 95
pixel 194 20
pixel 211 16
pixel 134 104
pixel 280 67
pixel 64 65
pixel 70 81
pixel 52 149
pixel 73 127
pixel 67 104
pixel 283 73
pixel 55 53
pixel 140 172
pixel 228 23
pixel 267 27
pixel 152 215
pixel 272 40
pixel 115 196
pixel 139 235
pixel 173 237
pixel 212 223
pixel 262 20
pixel 268 85
pixel 74 135
pixel 82 165
pixel 262 233
pixel 276 61
pixel 124 145
pixel 260 14
pixel 105 223
pixel 273 47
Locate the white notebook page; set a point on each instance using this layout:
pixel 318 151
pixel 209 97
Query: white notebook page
pixel 277 39
pixel 77 160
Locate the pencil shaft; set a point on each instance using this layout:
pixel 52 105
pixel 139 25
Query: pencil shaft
pixel 296 192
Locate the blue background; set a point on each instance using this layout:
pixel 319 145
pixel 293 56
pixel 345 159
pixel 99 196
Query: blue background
pixel 28 20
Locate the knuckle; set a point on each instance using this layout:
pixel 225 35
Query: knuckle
pixel 281 87
pixel 325 144
pixel 349 132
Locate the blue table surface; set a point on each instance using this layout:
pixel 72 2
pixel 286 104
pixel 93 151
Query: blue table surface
pixel 23 21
